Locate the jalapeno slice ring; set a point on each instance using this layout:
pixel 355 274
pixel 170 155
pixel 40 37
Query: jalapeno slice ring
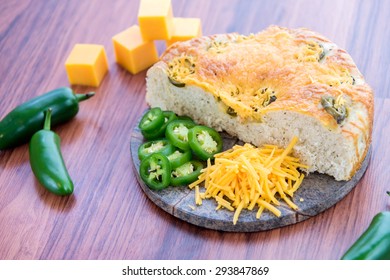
pixel 151 121
pixel 177 133
pixel 179 157
pixel 204 141
pixel 186 173
pixel 157 146
pixel 155 171
pixel 160 132
pixel 185 118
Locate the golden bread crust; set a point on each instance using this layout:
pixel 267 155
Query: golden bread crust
pixel 277 69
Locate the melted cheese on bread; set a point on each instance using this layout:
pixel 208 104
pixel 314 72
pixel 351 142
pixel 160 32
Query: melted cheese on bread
pixel 266 87
pixel 296 66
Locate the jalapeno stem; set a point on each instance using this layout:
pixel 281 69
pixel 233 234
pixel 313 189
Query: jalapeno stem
pixel 81 97
pixel 47 123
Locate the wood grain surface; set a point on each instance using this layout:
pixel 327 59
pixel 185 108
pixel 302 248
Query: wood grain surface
pixel 109 217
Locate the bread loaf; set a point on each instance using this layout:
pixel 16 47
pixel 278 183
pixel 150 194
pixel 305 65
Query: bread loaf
pixel 266 88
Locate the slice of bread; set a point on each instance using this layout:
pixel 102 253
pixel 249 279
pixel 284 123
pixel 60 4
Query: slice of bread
pixel 267 88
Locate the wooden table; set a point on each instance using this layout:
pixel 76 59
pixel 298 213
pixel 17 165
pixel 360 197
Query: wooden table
pixel 109 217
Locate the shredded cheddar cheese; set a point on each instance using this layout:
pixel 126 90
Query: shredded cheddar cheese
pixel 181 67
pixel 246 176
pixel 310 52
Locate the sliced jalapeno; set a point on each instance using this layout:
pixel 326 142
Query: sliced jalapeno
pixel 179 157
pixel 185 118
pixel 186 173
pixel 176 83
pixel 151 121
pixel 339 113
pixel 204 141
pixel 155 171
pixel 157 146
pixel 177 133
pixel 160 132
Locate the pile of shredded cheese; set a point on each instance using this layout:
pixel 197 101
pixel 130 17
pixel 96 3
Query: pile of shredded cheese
pixel 246 176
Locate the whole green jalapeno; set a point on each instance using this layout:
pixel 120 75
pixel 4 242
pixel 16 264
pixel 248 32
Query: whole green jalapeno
pixel 22 122
pixel 374 243
pixel 47 162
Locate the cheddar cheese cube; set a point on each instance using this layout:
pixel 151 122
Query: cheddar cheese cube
pixel 132 52
pixel 155 19
pixel 86 65
pixel 185 29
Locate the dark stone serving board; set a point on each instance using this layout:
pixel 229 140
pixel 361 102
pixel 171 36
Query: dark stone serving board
pixel 319 192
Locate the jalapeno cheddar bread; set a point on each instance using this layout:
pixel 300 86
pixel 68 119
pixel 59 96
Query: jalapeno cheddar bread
pixel 268 87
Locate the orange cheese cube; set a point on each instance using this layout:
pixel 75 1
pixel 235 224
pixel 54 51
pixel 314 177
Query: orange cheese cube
pixel 185 29
pixel 131 52
pixel 155 19
pixel 86 65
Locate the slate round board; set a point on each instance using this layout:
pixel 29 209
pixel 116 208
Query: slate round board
pixel 319 192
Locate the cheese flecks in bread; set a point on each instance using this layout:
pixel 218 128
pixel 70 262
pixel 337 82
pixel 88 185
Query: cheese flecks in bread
pixel 269 87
